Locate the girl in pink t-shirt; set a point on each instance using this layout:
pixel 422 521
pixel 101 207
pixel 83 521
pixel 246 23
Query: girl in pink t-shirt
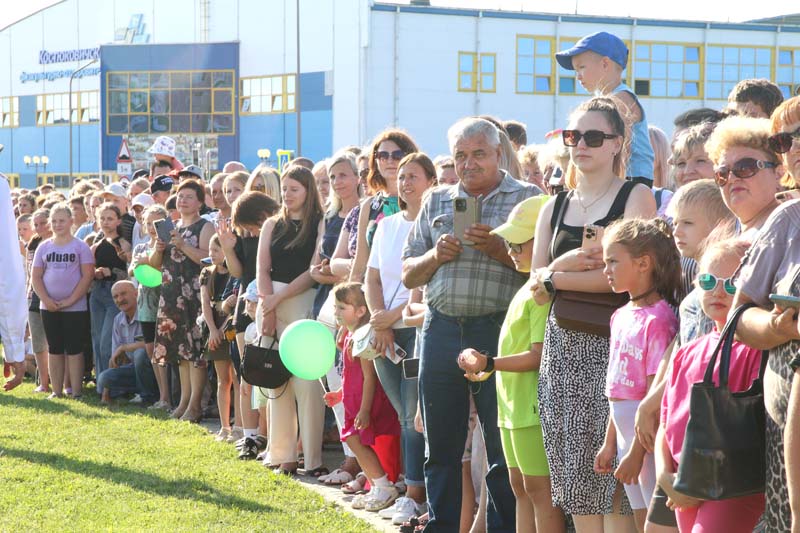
pixel 688 367
pixel 642 260
pixel 367 410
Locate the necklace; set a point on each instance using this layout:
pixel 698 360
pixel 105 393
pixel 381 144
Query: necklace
pixel 643 295
pixel 586 207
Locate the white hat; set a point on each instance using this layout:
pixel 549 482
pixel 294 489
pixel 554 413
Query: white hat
pixel 163 146
pixel 115 189
pixel 143 199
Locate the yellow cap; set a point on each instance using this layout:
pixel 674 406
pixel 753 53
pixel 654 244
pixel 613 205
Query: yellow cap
pixel 521 224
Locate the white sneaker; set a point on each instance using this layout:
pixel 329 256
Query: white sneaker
pixel 381 498
pixel 389 511
pixel 136 399
pixel 406 508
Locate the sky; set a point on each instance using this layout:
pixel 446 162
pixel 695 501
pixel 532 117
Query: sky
pixel 712 10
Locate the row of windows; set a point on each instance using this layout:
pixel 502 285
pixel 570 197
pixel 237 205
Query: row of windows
pixel 267 94
pixel 52 109
pixel 662 70
pixel 63 181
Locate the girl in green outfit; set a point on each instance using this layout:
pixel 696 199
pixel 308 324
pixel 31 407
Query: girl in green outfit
pixel 517 363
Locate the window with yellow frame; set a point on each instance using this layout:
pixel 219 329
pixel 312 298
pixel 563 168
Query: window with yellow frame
pixel 567 81
pixel 727 65
pixel 267 94
pixel 535 64
pixel 477 72
pixel 9 112
pixel 170 102
pixel 667 70
pixel 788 72
pixel 63 181
pixel 53 108
pixel 13 180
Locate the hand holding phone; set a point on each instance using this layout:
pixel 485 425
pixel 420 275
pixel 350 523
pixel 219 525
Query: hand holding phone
pixel 785 301
pixel 164 228
pixel 592 236
pixel 466 212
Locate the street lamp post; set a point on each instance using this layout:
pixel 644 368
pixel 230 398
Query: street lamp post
pixel 36 162
pixel 72 77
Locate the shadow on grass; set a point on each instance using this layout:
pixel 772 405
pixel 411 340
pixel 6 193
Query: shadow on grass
pixel 186 489
pixel 44 405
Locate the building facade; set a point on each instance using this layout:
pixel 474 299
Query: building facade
pixel 221 76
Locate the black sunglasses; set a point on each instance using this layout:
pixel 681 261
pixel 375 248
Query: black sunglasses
pixel 782 142
pixel 592 138
pixel 363 173
pixel 383 155
pixel 708 282
pixel 513 247
pixel 743 168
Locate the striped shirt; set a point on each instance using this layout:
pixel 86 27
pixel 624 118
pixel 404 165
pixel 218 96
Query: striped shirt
pixel 473 284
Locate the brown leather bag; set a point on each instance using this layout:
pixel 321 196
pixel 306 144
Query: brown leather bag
pixel 589 312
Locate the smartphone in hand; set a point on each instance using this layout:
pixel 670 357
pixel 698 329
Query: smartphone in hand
pixel 164 229
pixel 466 212
pixel 592 236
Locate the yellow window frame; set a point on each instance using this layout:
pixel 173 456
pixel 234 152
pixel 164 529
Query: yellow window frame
pixel 683 80
pixel 284 94
pixel 472 57
pixel 793 66
pixel 724 92
pixel 50 177
pixel 552 61
pixel 9 111
pixel 44 110
pixel 149 113
pixel 13 180
pixel 566 42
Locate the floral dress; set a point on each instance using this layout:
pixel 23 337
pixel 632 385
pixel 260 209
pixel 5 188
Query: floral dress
pixel 178 336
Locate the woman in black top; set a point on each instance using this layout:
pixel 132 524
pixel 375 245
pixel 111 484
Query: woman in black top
pixel 111 255
pixel 286 250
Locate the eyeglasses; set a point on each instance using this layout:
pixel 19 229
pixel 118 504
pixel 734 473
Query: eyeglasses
pixel 383 155
pixel 592 138
pixel 743 168
pixel 363 173
pixel 514 247
pixel 782 142
pixel 708 282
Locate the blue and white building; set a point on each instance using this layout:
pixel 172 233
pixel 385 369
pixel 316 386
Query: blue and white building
pixel 221 76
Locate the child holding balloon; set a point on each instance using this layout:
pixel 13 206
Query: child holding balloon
pixel 367 410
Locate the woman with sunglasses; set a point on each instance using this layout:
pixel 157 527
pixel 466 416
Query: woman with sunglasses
pixel 771 266
pixel 388 148
pixel 573 408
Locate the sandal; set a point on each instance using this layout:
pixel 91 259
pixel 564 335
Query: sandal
pixel 357 486
pixel 251 446
pixel 336 478
pixel 318 472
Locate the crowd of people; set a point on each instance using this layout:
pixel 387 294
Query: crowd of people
pixel 535 316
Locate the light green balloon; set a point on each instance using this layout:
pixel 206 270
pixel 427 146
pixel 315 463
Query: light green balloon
pixel 147 275
pixel 308 349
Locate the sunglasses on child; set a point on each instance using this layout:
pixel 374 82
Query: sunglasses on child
pixel 782 142
pixel 708 282
pixel 592 138
pixel 383 155
pixel 743 168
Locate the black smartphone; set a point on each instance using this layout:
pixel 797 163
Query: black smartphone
pixel 410 368
pixel 164 229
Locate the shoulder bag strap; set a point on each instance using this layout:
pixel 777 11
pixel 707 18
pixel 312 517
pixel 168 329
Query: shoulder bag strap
pixel 724 345
pixel 559 209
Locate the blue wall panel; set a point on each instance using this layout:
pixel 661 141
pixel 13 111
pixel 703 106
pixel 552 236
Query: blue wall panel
pixel 27 111
pixel 280 132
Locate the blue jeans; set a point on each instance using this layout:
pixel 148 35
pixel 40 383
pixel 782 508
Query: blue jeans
pixel 135 377
pixel 101 312
pixel 403 395
pixel 444 394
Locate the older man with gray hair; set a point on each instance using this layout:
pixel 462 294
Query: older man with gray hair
pixel 469 287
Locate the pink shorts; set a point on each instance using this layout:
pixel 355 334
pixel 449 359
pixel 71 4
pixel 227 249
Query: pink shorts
pixel 737 515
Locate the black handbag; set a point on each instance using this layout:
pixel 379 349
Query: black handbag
pixel 263 367
pixel 723 454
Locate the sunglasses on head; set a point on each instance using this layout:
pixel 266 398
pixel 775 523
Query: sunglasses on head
pixel 743 168
pixel 383 155
pixel 592 138
pixel 708 282
pixel 782 142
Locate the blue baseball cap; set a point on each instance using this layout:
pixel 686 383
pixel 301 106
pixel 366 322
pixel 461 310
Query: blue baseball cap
pixel 603 43
pixel 251 294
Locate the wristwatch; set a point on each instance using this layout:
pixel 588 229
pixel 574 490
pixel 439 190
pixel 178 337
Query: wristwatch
pixel 489 364
pixel 548 284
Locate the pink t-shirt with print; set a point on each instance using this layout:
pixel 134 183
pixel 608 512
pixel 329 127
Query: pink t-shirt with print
pixel 639 338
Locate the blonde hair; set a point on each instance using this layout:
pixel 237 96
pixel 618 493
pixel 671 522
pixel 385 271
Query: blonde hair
pixel 529 155
pixel 269 177
pixel 733 248
pixel 786 113
pixel 703 193
pixel 740 131
pixel 60 207
pixel 660 144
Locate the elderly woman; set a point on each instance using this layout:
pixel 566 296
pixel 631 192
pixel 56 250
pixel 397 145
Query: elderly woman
pixel 771 266
pixel 574 410
pixel 178 337
pixel 689 159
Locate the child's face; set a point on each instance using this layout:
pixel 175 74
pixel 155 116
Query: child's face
pixel 41 225
pixel 216 254
pixel 250 309
pixel 589 69
pixel 151 229
pixel 622 269
pixel 690 227
pixel 348 315
pixel 522 258
pixel 24 231
pixel 174 215
pixel 61 223
pixel 716 303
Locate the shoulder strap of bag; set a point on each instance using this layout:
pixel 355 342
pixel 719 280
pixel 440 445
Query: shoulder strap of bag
pixel 396 290
pixel 725 344
pixel 559 209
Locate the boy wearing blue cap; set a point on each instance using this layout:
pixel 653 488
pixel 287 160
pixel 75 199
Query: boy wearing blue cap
pixel 598 60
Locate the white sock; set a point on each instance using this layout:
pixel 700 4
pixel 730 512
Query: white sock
pixel 382 481
pixel 250 432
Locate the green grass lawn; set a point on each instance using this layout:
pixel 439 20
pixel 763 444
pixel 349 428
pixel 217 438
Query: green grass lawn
pixel 78 466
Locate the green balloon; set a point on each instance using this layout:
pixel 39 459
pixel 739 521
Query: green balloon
pixel 147 275
pixel 308 349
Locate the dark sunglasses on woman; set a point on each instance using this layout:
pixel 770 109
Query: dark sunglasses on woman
pixel 592 138
pixel 513 247
pixel 782 142
pixel 708 282
pixel 744 168
pixel 383 155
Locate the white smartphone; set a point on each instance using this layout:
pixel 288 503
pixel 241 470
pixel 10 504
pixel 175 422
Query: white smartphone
pixel 399 354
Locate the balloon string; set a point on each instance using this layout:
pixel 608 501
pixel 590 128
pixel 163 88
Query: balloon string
pixel 324 388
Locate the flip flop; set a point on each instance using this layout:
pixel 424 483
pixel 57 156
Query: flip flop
pixel 337 477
